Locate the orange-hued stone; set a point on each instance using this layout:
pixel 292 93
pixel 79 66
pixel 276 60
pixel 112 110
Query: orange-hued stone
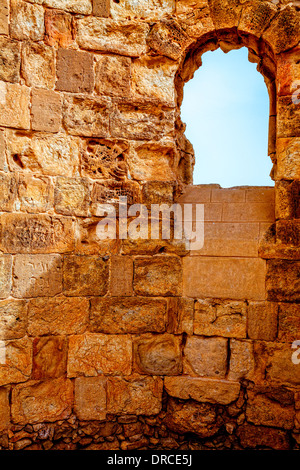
pixel 49 357
pixel 90 398
pixel 158 355
pixel 161 275
pixel 4 409
pixel 59 30
pixel 16 361
pixel 205 357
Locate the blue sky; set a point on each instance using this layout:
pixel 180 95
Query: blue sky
pixel 226 110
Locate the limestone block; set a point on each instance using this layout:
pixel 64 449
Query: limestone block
pixel 288 117
pixel 143 9
pixel 278 364
pixel 37 275
pixel 288 232
pixel 128 315
pixel 49 357
pixel 8 186
pixel 241 360
pixel 113 75
pixel 59 28
pixel 256 17
pixel 262 410
pixel 203 390
pixel 83 7
pixel 284 30
pixel 152 161
pixel 121 276
pixel 3 165
pixel 85 275
pixel 206 356
pixel 71 196
pixel 180 316
pixel 288 158
pixel 17 363
pixel 103 159
pixel 248 212
pixel 36 402
pixel 45 154
pixel 38 65
pixel 46 111
pixel 101 8
pixel 168 38
pixel 5 275
pixel 225 14
pixel 13 319
pixel 105 35
pixel 10 59
pixel 261 436
pixel 35 194
pixel 158 276
pixel 35 233
pixel 95 354
pixel 282 280
pixel 4 14
pixel 57 316
pixel 134 395
pixel 288 72
pixel 158 355
pixel 90 398
pixel 86 116
pixel 4 409
pixel 14 97
pixel 27 21
pixel 262 321
pixel 288 322
pixel 75 72
pixel 195 18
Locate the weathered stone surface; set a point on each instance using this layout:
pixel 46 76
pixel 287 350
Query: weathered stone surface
pixel 12 97
pixel 181 316
pixel 248 212
pixel 262 320
pixel 203 390
pixel 168 38
pixel 282 280
pixel 134 395
pixel 161 275
pixel 288 322
pixel 4 14
pixel 13 319
pixel 45 154
pixel 59 28
pixel 288 117
pixel 36 402
pixel 90 398
pixel 288 69
pixel 49 357
pixel 113 75
pixel 101 8
pixel 262 410
pixel 96 354
pixel 83 7
pixel 86 116
pixel 190 416
pixel 85 275
pixel 205 356
pixel 8 188
pixel 152 161
pixel 37 275
pixel 3 165
pixel 40 233
pixel 288 158
pixel 225 14
pixel 57 316
pixel 128 315
pixel 4 409
pixel 71 196
pixel 104 158
pixel 10 59
pixel 261 436
pixel 5 275
pixel 284 30
pixel 213 318
pixel 106 35
pixel 149 9
pixel 38 65
pixel 46 111
pixel 75 72
pixel 158 355
pixel 256 17
pixel 17 363
pixel 279 365
pixel 121 276
pixel 26 21
pixel 35 194
pixel 241 360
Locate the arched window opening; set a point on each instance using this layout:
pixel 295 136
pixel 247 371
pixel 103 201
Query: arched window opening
pixel 226 112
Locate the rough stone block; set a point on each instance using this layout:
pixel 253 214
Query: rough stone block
pixel 37 276
pixel 204 390
pixel 225 14
pixel 167 38
pixel 13 319
pixel 262 321
pixel 288 322
pixel 4 16
pixel 37 402
pixel 288 117
pixel 120 37
pixel 12 97
pixel 46 111
pixel 26 21
pixel 277 363
pixel 82 7
pixel 241 360
pixel 57 316
pixel 4 404
pixel 148 9
pixel 158 276
pixel 75 72
pixel 121 277
pixel 284 30
pixel 8 188
pixel 288 71
pixel 282 280
pixel 86 116
pixel 3 165
pixel 256 17
pixel 103 158
pixel 158 355
pixel 30 233
pixel 113 75
pixel 180 316
pixel 10 59
pixel 35 194
pixel 252 436
pixel 49 357
pixel 71 196
pixel 134 315
pixel 224 318
pixel 17 363
pixel 85 275
pixel 45 154
pixel 288 158
pixel 152 161
pixel 38 65
pixel 90 398
pixel 134 395
pixel 206 356
pixel 95 354
pixel 5 275
pixel 101 8
pixel 59 28
pixel 233 278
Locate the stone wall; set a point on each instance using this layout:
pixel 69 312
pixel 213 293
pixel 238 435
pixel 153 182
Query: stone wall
pixel 138 344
